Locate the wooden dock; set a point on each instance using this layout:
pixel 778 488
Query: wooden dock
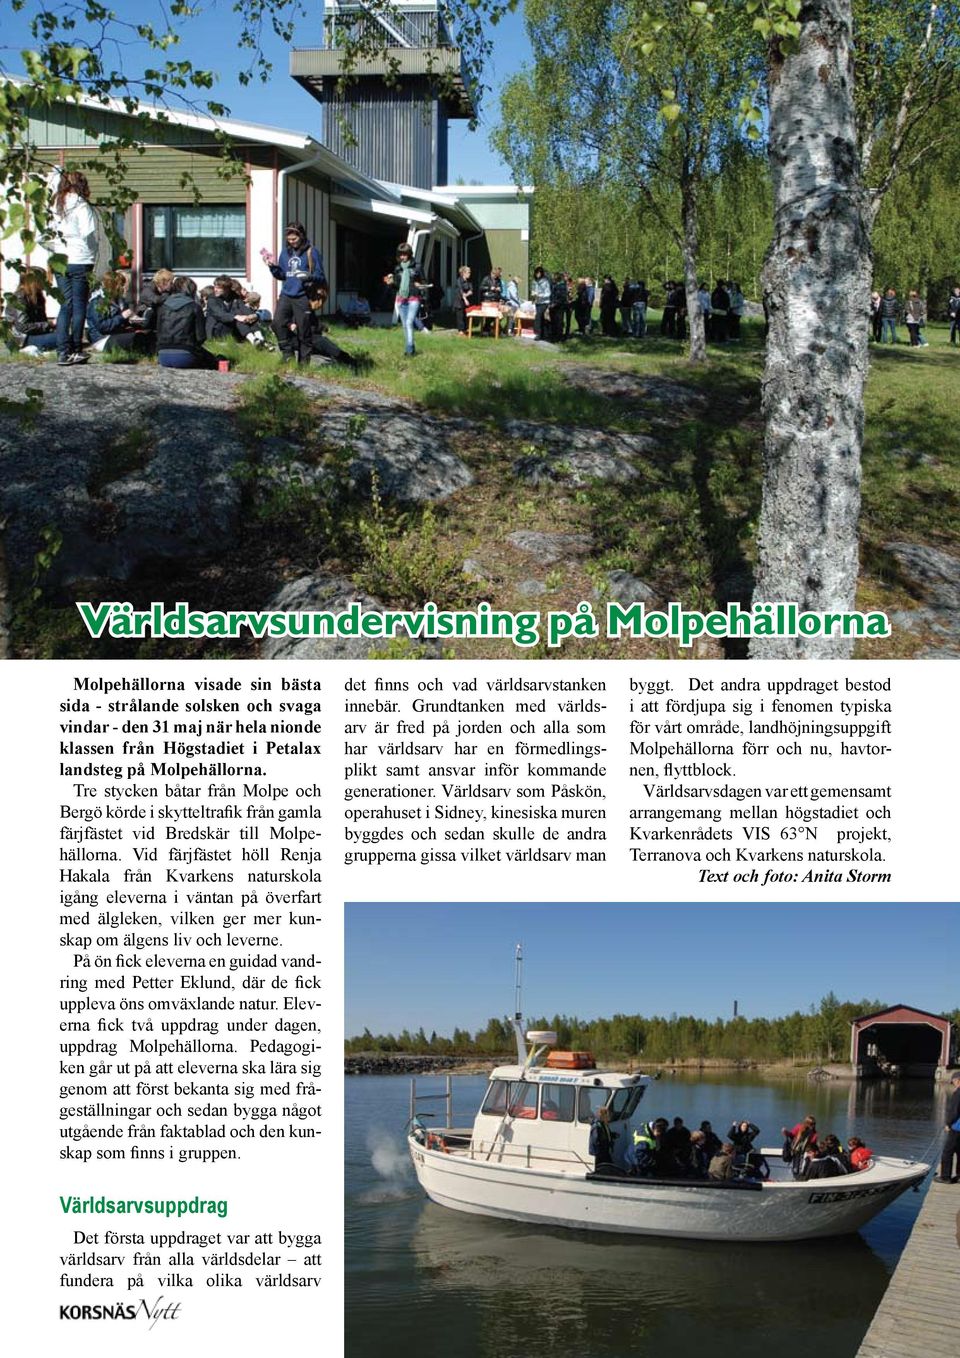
pixel 919 1316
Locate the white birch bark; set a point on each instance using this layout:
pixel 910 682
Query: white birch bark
pixel 817 285
pixel 697 352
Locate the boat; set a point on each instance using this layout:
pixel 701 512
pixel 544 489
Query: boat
pixel 526 1158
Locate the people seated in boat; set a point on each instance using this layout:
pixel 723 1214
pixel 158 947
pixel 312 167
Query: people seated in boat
pixel 721 1166
pixel 601 1139
pixel 676 1145
pixel 859 1154
pixel 550 1111
pixel 742 1134
pixel 712 1142
pixel 825 1161
pixel 641 1156
pixel 697 1160
pixel 832 1146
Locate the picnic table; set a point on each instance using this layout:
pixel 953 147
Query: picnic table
pixel 486 311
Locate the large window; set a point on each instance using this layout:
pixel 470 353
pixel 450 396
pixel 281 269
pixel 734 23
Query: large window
pixel 624 1103
pixel 496 1101
pixel 209 238
pixel 523 1100
pixel 591 1099
pixel 557 1102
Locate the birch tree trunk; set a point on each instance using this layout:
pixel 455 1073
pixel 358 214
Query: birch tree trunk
pixel 691 242
pixel 817 284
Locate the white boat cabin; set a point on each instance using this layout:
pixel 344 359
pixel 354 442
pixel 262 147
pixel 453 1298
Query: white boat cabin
pixel 545 1113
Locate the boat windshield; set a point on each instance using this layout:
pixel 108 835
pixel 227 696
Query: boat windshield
pixel 592 1099
pixel 495 1102
pixel 621 1102
pixel 624 1103
pixel 518 1099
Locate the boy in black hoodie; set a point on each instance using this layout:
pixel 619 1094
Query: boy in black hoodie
pixel 181 329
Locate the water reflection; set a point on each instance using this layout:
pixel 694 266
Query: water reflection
pixel 586 1294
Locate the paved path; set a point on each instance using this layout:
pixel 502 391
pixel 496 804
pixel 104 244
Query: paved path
pixel 919 1316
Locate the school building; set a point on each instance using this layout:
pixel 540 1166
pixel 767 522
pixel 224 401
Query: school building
pixel 375 175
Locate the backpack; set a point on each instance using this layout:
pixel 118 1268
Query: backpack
pixel 315 290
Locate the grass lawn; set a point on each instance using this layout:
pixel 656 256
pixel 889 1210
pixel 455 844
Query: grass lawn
pixel 685 525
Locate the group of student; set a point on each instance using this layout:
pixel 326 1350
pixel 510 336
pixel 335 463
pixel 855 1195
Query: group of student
pixel 171 317
pixel 558 299
pixel 660 1150
pixel 886 310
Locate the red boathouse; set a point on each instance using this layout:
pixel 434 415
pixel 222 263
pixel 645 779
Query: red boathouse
pixel 900 1040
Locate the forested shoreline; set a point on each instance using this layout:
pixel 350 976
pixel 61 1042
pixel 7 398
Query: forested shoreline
pixel 822 1033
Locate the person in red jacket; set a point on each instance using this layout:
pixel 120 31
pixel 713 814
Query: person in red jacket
pixel 803 1135
pixel 860 1155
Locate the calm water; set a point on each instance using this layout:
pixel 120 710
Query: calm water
pixel 422 1280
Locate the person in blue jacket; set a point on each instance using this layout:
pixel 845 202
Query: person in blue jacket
pixel 300 267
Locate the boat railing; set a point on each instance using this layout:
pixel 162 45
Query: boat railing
pixel 498 1149
pixel 446 1097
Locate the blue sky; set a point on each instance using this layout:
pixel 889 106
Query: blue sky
pixel 440 965
pixel 207 42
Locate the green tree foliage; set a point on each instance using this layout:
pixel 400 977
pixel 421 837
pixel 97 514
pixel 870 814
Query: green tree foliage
pixel 643 102
pixel 594 228
pixel 907 70
pixel 916 237
pixel 589 225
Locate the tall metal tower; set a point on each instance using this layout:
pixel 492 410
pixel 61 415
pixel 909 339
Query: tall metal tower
pixel 391 120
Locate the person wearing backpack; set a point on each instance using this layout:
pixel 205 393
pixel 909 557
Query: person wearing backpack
pixel 950 1159
pixel 76 230
pixel 300 266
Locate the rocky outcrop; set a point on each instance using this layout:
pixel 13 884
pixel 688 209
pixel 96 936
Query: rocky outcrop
pixel 934 577
pixel 624 588
pixel 137 464
pixel 669 397
pixel 548 548
pixel 127 464
pixel 577 456
pixel 409 453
